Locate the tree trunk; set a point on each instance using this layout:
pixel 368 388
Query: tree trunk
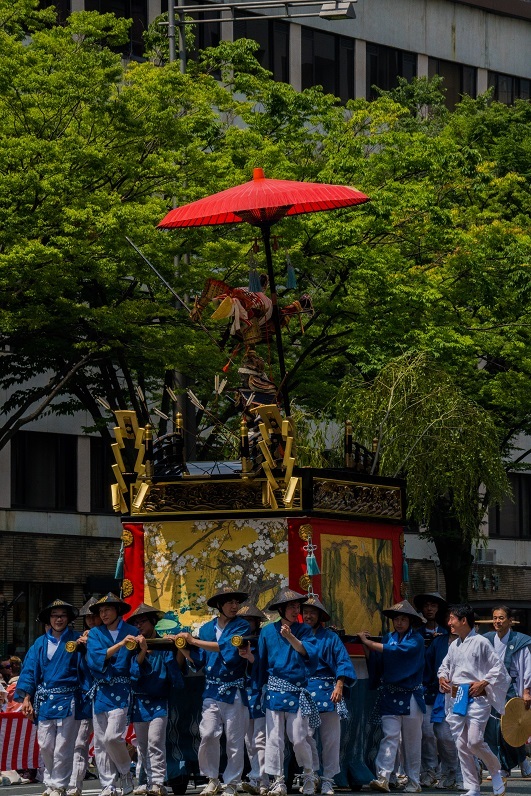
pixel 453 549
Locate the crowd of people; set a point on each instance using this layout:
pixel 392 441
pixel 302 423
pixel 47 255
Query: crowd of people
pixel 441 689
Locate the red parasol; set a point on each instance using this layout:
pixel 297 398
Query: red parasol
pixel 262 202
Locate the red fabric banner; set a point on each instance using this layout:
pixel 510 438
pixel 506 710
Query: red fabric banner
pixel 18 742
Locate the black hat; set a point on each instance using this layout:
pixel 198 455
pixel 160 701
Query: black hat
pixel 44 615
pixel 405 608
pixel 284 596
pixel 433 597
pixel 85 609
pixel 224 594
pixel 250 611
pixel 146 610
pixel 313 602
pixel 111 599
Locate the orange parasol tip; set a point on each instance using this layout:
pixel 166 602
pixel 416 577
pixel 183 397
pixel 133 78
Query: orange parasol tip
pixel 258 174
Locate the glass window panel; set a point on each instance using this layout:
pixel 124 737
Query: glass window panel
pixel 385 65
pixel 346 68
pixel 44 471
pixel 459 79
pixel 101 475
pixel 524 89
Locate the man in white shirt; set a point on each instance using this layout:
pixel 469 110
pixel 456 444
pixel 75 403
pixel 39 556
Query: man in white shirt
pixel 474 680
pixel 514 649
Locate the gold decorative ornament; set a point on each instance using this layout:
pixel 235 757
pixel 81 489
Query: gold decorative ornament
pixel 305 532
pixel 131 645
pixel 71 646
pixel 237 641
pixel 127 538
pixel 180 642
pixel 127 587
pixel 305 582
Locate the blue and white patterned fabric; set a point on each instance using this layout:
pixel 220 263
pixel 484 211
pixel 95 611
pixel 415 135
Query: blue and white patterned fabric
pixel 306 703
pixel 53 685
pixel 397 672
pixel 152 682
pixel 112 676
pixel 224 670
pixel 334 662
pixel 278 659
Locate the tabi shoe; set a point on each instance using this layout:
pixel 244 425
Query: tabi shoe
pixel 212 787
pixel 278 788
pixel 157 790
pixel 230 790
pixel 428 779
pixel 110 790
pixel 327 787
pixel 127 785
pixel 380 784
pixel 252 787
pixel 140 790
pixel 410 788
pixel 308 784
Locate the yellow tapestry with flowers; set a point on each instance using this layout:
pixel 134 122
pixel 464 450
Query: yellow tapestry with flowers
pixel 188 561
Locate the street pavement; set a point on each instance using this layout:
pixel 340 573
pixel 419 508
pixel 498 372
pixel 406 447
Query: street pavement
pixel 516 786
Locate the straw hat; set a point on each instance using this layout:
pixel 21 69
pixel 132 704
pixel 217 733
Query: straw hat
pixel 433 597
pixel 313 602
pixel 85 609
pixel 284 596
pixel 516 722
pixel 146 610
pixel 406 609
pixel 44 614
pixel 226 593
pixel 248 610
pixel 111 599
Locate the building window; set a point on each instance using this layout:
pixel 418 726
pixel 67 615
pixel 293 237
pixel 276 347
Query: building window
pixel 101 476
pixel 44 471
pixel 459 79
pixel 385 65
pixel 507 89
pixel 328 61
pixel 513 517
pixel 132 9
pixel 273 38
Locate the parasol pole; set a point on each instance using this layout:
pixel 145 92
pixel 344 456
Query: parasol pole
pixel 266 237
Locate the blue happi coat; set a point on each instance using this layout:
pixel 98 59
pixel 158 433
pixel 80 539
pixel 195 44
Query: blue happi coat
pixel 334 662
pixel 435 654
pixel 86 680
pixel 51 684
pixel 152 682
pixel 224 670
pixel 397 672
pixel 112 678
pixel 277 658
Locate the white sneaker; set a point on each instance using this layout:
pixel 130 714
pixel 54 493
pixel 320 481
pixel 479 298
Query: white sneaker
pixel 410 788
pixel 230 790
pixel 278 788
pixel 73 792
pixel 110 790
pixel 327 787
pixel 308 784
pixel 57 792
pixel 212 787
pixel 140 790
pixel 156 790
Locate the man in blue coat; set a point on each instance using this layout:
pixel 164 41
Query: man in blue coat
pixel 154 672
pixel 288 656
pixel 334 671
pixel 49 687
pixel 224 698
pixel 109 661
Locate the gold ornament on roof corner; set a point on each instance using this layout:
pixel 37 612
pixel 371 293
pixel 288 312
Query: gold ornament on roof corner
pixel 127 588
pixel 305 532
pixel 305 582
pixel 127 538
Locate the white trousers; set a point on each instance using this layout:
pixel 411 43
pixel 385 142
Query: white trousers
pixel 110 749
pixel 429 758
pixel 81 754
pixel 468 732
pixel 410 728
pixel 57 738
pixel 296 727
pixel 151 745
pixel 447 750
pixel 255 742
pixel 218 717
pixel 330 732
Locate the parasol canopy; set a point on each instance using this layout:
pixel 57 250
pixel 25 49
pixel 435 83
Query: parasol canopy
pixel 262 201
pixel 516 722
